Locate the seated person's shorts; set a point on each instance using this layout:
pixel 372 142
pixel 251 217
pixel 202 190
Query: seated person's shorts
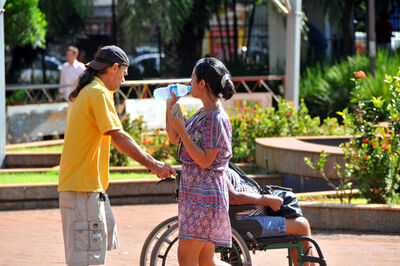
pixel 260 226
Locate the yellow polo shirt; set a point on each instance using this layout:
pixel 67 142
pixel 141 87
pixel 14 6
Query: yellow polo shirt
pixel 86 153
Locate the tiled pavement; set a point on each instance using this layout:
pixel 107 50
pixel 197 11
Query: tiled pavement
pixel 34 237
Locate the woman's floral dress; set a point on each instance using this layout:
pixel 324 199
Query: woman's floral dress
pixel 203 193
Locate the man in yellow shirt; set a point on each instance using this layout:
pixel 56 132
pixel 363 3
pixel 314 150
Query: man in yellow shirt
pixel 88 223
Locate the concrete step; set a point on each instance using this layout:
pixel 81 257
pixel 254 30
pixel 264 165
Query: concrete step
pixel 145 191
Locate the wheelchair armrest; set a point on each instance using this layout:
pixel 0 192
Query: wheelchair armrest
pixel 236 209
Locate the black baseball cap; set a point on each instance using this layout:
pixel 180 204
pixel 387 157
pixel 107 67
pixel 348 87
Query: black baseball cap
pixel 107 56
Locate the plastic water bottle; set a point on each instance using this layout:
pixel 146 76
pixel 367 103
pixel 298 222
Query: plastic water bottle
pixel 165 93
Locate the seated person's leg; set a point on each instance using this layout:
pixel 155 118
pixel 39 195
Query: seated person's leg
pixel 299 226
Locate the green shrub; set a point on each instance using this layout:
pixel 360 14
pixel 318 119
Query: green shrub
pixel 285 120
pixel 135 128
pixel 329 89
pixel 372 155
pixel 247 125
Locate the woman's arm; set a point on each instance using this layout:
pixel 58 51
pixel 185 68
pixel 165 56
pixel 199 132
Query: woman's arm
pixel 202 157
pixel 242 198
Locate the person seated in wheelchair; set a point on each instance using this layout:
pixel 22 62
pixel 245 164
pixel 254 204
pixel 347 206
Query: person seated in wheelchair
pixel 251 210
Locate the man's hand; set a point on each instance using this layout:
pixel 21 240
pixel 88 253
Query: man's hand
pixel 274 202
pixel 162 170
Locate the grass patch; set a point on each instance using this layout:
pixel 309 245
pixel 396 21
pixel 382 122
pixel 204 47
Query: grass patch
pixel 332 199
pixel 52 177
pixel 54 148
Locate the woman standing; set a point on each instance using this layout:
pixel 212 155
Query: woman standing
pixel 205 148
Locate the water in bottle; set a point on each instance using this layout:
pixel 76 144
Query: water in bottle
pixel 166 92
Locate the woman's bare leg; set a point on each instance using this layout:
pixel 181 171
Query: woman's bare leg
pixel 206 257
pixel 189 251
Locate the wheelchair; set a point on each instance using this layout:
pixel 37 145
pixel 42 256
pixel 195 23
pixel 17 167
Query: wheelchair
pixel 161 245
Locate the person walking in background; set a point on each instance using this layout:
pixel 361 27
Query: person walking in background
pixel 205 141
pixel 70 72
pixel 87 220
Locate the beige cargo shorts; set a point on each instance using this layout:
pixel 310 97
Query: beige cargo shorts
pixel 88 227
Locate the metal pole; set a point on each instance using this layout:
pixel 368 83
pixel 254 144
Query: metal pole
pixel 371 36
pixel 2 88
pixel 114 23
pixel 293 34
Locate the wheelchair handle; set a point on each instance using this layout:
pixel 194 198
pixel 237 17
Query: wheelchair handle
pixel 171 179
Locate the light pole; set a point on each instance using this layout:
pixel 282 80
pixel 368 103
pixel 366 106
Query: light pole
pixel 293 35
pixel 2 88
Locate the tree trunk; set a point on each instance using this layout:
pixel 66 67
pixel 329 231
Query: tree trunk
pixel 181 55
pixel 348 28
pixel 221 36
pixel 235 32
pixel 44 76
pixel 227 35
pixel 251 23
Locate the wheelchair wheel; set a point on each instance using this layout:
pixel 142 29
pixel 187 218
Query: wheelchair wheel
pixel 152 239
pixel 238 254
pixel 165 251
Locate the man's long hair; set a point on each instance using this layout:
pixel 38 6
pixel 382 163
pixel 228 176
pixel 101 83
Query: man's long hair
pixel 84 79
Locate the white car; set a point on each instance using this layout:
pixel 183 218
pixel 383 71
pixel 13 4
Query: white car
pixel 35 73
pixel 144 61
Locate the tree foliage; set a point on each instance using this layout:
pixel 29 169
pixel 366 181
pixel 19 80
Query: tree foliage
pixel 24 24
pixel 171 17
pixel 65 17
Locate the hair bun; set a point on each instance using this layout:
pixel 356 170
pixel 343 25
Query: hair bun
pixel 224 79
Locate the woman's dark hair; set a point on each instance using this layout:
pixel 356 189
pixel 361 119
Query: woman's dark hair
pixel 212 71
pixel 84 79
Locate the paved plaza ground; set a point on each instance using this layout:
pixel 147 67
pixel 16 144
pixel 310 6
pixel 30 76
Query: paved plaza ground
pixel 35 238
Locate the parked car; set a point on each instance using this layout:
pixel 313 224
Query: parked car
pixel 145 66
pixel 35 73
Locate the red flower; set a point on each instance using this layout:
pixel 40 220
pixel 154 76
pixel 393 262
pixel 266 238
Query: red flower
pixel 166 156
pixel 141 121
pixel 365 157
pixel 245 110
pixel 250 159
pixel 387 140
pixel 374 144
pixel 364 167
pixel 366 140
pixel 150 141
pixel 289 113
pixel 159 146
pixel 244 138
pixel 166 143
pixel 124 119
pixel 385 147
pixel 144 141
pixel 151 150
pixel 376 190
pixel 360 74
pixel 254 111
